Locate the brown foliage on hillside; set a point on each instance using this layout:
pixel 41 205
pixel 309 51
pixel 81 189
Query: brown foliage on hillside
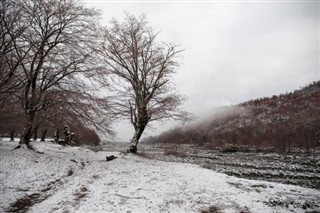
pixel 286 123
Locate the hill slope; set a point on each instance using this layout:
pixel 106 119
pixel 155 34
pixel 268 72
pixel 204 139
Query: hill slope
pixel 286 122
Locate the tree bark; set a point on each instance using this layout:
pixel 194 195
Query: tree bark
pixel 135 139
pixel 306 142
pixel 11 135
pixel 25 137
pixel 283 141
pixel 35 133
pixel 27 132
pixel 56 136
pixel 44 133
pixel 318 137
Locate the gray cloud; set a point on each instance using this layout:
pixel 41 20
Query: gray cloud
pixel 234 51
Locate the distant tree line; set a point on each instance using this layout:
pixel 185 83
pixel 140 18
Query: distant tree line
pixel 284 123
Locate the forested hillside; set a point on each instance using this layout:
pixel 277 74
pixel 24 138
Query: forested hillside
pixel 287 122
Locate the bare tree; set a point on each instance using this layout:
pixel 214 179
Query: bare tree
pixel 141 71
pixel 11 27
pixel 59 49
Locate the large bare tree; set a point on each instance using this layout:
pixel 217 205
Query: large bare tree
pixel 141 71
pixel 58 49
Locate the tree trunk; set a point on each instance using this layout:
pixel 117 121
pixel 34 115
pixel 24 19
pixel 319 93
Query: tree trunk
pixel 290 141
pixel 11 135
pixel 27 132
pixel 318 137
pixel 35 133
pixel 43 136
pixel 306 142
pixel 56 136
pixel 135 139
pixel 25 137
pixel 283 140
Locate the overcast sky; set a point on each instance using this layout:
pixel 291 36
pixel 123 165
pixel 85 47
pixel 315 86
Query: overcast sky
pixel 234 51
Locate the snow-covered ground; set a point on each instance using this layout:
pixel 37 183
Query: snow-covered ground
pixel 290 168
pixel 75 179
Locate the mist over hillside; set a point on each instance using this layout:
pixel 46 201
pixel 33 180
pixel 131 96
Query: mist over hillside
pixel 287 122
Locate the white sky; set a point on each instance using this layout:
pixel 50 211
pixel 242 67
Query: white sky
pixel 234 51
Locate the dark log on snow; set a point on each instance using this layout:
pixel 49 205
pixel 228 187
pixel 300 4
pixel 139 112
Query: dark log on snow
pixel 110 158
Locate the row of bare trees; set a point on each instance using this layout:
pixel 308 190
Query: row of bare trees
pixel 49 51
pixel 59 65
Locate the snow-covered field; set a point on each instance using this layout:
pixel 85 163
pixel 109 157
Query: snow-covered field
pixel 290 168
pixel 75 179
